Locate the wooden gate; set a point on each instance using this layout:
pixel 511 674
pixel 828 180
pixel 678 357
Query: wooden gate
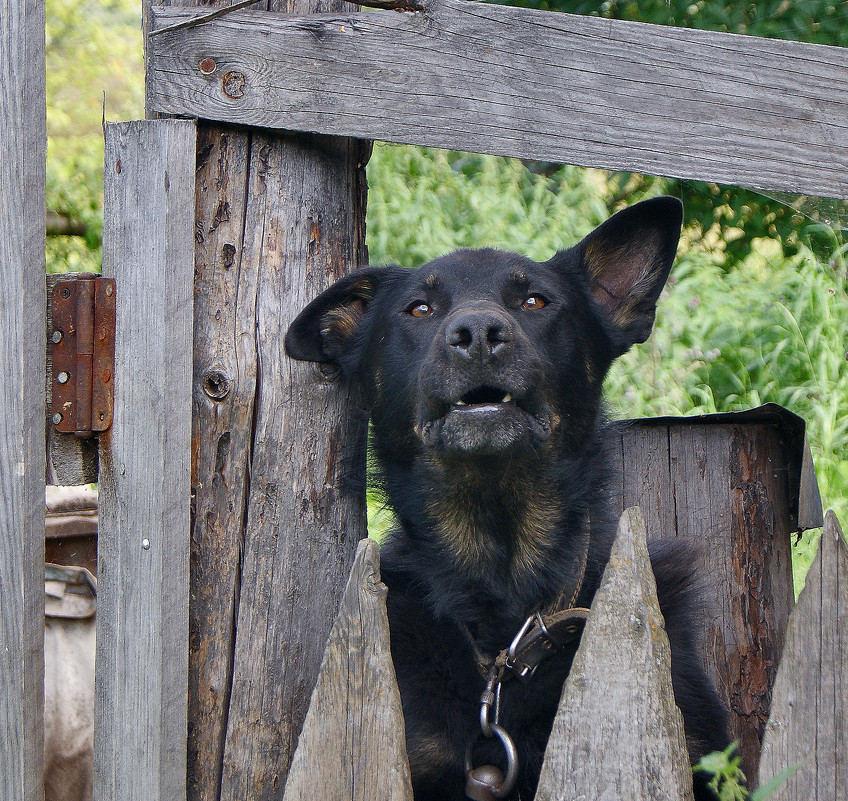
pixel 228 530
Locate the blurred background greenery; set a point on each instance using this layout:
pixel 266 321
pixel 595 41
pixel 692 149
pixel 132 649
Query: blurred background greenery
pixel 756 309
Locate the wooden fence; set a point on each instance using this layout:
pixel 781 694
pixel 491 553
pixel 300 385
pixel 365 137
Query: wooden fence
pixel 227 542
pixel 617 703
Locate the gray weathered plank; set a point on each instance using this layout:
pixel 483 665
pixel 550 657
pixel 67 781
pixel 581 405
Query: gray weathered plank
pixel 809 717
pixel 511 81
pixel 353 743
pixel 142 619
pixel 617 703
pixel 22 177
pixel 305 505
pixel 224 397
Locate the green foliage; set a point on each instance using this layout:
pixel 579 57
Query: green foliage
pixel 818 21
pixel 728 781
pixel 423 203
pixel 94 70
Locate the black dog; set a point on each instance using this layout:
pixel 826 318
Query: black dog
pixel 483 374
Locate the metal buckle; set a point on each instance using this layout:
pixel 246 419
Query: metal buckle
pixel 523 671
pixel 523 641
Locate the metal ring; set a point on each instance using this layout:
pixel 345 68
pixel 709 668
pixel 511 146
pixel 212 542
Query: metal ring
pixel 511 759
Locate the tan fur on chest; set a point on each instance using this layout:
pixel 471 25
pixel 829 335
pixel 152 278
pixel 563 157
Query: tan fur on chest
pixel 475 525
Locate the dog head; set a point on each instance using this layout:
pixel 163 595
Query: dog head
pixel 484 352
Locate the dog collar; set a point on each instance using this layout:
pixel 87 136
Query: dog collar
pixel 538 638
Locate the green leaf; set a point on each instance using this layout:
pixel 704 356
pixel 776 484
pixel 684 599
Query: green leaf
pixel 767 789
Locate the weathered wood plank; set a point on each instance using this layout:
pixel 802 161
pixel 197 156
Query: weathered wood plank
pixel 809 717
pixel 726 492
pixel 516 82
pixel 277 518
pixel 224 395
pixel 617 703
pixel 305 504
pixel 142 619
pixel 353 742
pixel 22 178
pixel 645 475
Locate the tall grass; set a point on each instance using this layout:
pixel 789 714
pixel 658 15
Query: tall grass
pixel 770 328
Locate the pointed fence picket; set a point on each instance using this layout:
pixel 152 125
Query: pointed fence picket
pixel 808 727
pixel 617 704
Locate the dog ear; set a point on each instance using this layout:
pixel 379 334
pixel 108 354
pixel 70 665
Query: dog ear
pixel 627 260
pixel 321 332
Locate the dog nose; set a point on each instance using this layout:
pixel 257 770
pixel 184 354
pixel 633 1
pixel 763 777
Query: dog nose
pixel 478 335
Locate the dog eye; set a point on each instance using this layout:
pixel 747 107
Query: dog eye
pixel 534 302
pixel 420 310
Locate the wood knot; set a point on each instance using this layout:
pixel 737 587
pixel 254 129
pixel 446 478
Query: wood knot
pixel 216 385
pixel 233 84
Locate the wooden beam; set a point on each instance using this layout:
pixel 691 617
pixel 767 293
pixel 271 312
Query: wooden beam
pixel 353 743
pixel 145 494
pixel 730 483
pixel 618 703
pixel 22 179
pixel 277 447
pixel 808 726
pixel 302 475
pixel 487 78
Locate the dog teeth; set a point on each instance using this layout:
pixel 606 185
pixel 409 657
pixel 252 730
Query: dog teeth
pixel 507 398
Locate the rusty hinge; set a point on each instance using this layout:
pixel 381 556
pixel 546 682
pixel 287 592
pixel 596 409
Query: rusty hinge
pixel 83 338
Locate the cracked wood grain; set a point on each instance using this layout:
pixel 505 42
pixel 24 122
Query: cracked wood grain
pixel 353 743
pixel 144 501
pixel 276 446
pixel 22 365
pixel 809 716
pixel 487 78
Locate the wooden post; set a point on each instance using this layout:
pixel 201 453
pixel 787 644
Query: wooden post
pixel 809 718
pixel 22 179
pixel 353 743
pixel 142 616
pixel 277 448
pixel 617 703
pixel 731 483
